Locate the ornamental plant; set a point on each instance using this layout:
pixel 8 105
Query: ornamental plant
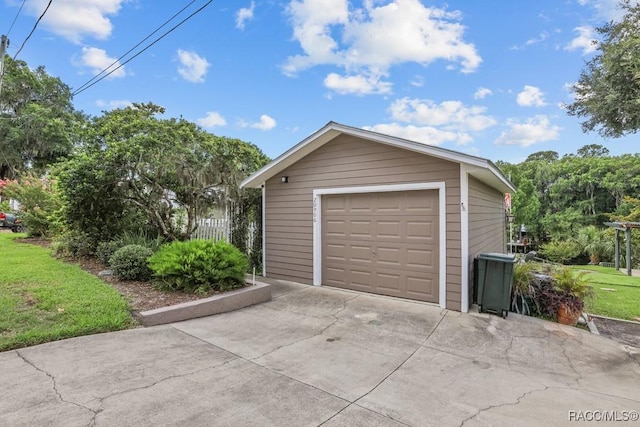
pixel 199 266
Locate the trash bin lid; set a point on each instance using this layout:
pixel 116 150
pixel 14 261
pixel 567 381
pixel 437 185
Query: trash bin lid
pixel 506 258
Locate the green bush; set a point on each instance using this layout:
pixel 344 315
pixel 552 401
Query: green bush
pixel 39 203
pixel 560 251
pixel 130 263
pixel 140 238
pixel 73 244
pixel 105 250
pixel 199 266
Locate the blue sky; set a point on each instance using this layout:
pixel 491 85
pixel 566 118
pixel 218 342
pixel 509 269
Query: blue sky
pixel 482 77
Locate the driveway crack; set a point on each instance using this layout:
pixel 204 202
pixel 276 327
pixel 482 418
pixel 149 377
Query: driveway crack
pixel 518 400
pixel 57 392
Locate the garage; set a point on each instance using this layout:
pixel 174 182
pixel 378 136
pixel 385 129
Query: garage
pixel 360 210
pixel 384 243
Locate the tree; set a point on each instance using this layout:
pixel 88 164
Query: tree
pixel 593 150
pixel 546 156
pixel 37 119
pixel 165 172
pixel 607 94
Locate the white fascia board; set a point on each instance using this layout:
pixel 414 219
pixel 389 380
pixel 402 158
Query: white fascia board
pixel 289 157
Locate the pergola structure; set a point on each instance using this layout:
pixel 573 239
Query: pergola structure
pixel 626 227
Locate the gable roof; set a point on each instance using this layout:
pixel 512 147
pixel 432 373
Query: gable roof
pixel 478 167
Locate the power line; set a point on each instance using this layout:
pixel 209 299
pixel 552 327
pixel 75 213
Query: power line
pixel 85 86
pixel 16 17
pixel 130 50
pixel 33 29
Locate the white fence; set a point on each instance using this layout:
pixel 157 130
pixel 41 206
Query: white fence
pixel 212 229
pixel 220 229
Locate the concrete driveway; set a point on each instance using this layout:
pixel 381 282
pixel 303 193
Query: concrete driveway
pixel 320 356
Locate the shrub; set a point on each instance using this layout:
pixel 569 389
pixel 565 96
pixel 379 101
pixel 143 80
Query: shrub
pixel 105 250
pixel 73 244
pixel 199 266
pixel 140 238
pixel 130 263
pixel 39 204
pixel 560 251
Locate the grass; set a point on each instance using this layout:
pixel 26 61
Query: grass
pixel 43 299
pixel 617 295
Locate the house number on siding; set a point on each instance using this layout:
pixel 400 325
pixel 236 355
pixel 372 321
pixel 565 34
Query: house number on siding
pixel 315 210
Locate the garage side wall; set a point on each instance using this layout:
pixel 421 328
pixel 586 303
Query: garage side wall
pixel 349 161
pixel 487 229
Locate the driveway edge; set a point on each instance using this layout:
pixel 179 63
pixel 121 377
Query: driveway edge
pixel 254 294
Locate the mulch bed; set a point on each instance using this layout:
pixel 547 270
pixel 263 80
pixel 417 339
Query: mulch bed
pixel 141 296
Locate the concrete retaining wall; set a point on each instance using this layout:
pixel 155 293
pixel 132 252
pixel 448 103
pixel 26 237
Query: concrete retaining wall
pixel 222 303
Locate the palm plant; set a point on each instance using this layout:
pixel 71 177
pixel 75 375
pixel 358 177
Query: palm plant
pixel 594 243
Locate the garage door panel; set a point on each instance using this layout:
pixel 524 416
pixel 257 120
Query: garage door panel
pixel 384 243
pixel 388 229
pixel 335 228
pixel 390 257
pixel 388 282
pixel 360 228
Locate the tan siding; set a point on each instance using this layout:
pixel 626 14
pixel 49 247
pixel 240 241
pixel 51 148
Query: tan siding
pixel 487 230
pixel 345 162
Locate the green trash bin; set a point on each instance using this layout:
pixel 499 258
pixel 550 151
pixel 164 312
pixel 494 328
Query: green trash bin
pixel 494 274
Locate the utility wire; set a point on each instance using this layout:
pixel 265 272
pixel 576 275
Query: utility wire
pixel 85 86
pixel 33 29
pixel 130 50
pixel 16 17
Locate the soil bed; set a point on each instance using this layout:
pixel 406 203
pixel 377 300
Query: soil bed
pixel 141 296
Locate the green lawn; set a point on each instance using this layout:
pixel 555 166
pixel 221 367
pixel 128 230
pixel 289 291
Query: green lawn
pixel 43 299
pixel 617 295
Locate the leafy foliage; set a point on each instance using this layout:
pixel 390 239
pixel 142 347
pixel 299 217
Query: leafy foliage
pixel 138 165
pixel 560 251
pixel 199 266
pixel 105 250
pixel 608 90
pixel 130 263
pixel 94 203
pixel 38 122
pixel 73 244
pixel 247 212
pixel 39 204
pixel 556 197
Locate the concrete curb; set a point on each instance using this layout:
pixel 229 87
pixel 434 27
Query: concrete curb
pixel 229 301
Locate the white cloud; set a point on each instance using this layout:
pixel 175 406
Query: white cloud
pixel 211 120
pixel 113 104
pixel 374 38
pixel 98 60
pixel 424 134
pixel 75 19
pixel 607 10
pixel 193 67
pixel 358 84
pixel 417 81
pixel 450 115
pixel 584 41
pixel 531 131
pixel 542 37
pixel 265 123
pixel 245 14
pixel 530 96
pixel 482 92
